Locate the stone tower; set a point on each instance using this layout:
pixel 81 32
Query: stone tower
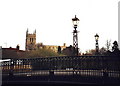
pixel 30 41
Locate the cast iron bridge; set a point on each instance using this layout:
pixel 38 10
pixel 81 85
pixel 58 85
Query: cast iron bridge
pixel 100 70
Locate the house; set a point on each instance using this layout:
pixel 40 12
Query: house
pixel 7 53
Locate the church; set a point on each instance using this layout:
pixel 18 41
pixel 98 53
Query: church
pixel 32 45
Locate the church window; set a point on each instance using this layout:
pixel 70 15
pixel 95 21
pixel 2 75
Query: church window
pixel 32 39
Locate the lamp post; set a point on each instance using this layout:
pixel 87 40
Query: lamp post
pixel 97 45
pixel 75 36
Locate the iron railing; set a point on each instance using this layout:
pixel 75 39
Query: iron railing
pixel 79 66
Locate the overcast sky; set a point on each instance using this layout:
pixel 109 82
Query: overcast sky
pixel 53 24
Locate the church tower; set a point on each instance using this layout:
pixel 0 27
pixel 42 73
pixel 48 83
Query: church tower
pixel 30 41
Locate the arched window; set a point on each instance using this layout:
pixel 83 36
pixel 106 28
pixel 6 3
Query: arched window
pixel 32 39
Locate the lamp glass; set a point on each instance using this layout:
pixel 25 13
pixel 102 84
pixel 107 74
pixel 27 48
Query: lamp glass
pixel 75 21
pixel 96 37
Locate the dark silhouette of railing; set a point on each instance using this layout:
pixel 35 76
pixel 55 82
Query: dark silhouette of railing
pixel 82 69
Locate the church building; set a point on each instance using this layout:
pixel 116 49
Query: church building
pixel 32 45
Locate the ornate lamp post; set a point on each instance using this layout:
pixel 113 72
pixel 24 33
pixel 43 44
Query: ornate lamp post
pixel 97 45
pixel 75 36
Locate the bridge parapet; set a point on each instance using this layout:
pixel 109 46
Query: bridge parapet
pixel 109 63
pixel 89 69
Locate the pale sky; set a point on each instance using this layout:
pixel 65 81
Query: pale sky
pixel 52 21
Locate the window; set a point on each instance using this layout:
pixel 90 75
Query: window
pixel 32 39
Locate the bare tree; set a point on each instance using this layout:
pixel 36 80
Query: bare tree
pixel 108 44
